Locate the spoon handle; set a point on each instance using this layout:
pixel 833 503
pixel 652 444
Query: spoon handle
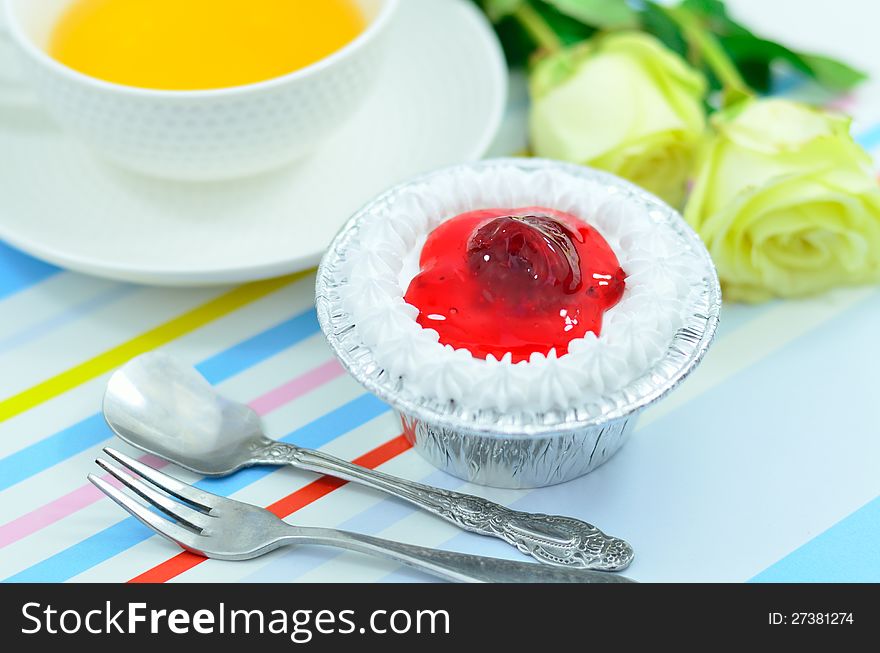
pixel 554 540
pixel 449 565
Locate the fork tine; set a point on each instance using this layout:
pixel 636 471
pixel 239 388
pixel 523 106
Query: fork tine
pixel 204 500
pixel 189 517
pixel 181 536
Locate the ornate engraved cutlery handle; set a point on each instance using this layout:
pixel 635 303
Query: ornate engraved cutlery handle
pixel 458 567
pixel 560 541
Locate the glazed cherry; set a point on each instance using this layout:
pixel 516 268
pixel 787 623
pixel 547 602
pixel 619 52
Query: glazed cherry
pixel 515 280
pixel 521 253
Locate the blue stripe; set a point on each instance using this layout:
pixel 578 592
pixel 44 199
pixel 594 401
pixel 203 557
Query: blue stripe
pixel 89 432
pixel 247 353
pixel 18 270
pixel 50 451
pixel 845 553
pixel 870 138
pixel 122 536
pixel 69 316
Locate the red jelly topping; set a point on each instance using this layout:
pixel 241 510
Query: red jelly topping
pixel 515 280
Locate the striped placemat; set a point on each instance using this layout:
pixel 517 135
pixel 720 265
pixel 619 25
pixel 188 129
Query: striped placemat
pixel 762 466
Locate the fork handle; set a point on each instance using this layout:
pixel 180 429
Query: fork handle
pixel 456 567
pixel 561 541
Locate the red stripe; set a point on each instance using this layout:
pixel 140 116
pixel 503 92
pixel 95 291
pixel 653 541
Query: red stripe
pixel 321 487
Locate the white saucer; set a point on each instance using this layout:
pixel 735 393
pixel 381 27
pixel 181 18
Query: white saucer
pixel 440 102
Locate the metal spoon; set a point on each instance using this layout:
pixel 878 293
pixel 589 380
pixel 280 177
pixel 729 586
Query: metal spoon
pixel 159 405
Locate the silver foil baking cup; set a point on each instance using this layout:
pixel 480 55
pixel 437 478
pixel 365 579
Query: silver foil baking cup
pixel 520 450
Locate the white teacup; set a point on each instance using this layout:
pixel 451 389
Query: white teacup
pixel 206 134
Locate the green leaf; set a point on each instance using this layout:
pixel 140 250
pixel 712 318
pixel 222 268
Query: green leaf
pixel 833 74
pixel 657 22
pixel 751 48
pixel 569 30
pixel 518 45
pixel 829 73
pixel 498 9
pixel 598 13
pixel 714 15
pixel 757 74
pixel 754 55
pixel 714 9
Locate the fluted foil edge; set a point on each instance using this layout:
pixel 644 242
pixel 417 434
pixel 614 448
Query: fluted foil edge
pixel 521 450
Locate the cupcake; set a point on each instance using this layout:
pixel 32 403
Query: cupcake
pixel 518 314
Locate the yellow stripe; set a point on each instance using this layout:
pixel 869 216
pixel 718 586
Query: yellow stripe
pixel 156 337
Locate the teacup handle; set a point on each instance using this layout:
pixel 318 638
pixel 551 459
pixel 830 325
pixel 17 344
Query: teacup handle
pixel 13 90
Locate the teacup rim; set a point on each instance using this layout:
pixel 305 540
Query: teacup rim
pixel 375 27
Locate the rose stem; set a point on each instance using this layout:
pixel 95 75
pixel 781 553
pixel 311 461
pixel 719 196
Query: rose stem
pixel 538 28
pixel 735 87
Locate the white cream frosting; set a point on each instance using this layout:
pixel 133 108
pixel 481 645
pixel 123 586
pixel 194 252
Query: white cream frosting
pixel 635 334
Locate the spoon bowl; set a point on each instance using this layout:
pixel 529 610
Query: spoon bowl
pixel 159 405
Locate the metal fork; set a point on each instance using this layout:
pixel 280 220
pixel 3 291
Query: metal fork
pixel 217 527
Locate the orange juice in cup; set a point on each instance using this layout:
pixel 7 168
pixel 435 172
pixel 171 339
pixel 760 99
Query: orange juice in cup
pixel 200 44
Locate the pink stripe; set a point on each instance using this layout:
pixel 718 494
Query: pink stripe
pixel 297 387
pixel 88 494
pixel 60 508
